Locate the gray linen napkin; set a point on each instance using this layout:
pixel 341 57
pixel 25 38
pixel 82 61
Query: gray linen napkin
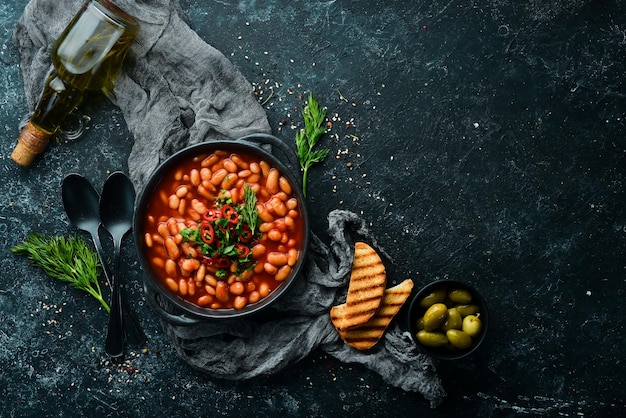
pixel 174 91
pixel 242 348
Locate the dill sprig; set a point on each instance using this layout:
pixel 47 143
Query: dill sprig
pixel 248 211
pixel 307 138
pixel 68 260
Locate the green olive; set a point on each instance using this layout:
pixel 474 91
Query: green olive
pixel 465 310
pixel 460 296
pixel 459 339
pixel 432 339
pixel 419 324
pixel 434 316
pixel 472 325
pixel 436 296
pixel 453 321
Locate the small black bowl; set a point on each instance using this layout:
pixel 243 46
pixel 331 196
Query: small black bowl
pixel 416 311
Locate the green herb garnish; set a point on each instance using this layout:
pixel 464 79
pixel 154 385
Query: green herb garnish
pixel 226 233
pixel 307 138
pixel 68 260
pixel 248 210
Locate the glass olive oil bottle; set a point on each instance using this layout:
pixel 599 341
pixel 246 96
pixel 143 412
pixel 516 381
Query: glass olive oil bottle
pixel 87 56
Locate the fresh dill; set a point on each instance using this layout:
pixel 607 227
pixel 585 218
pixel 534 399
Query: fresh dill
pixel 65 259
pixel 249 212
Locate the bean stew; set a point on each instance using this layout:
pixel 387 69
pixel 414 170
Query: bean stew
pixel 223 230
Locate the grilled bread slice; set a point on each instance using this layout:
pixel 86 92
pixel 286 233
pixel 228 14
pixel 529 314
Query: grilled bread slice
pixel 365 290
pixel 365 336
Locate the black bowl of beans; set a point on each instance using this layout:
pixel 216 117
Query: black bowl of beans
pixel 448 319
pixel 221 229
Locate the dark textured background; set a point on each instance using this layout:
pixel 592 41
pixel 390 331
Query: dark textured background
pixel 482 141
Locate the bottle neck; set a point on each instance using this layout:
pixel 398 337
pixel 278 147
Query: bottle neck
pixel 57 101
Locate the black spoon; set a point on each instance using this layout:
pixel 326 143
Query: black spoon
pixel 117 205
pixel 81 203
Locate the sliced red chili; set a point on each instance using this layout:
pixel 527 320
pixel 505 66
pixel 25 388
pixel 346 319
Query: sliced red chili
pixel 246 234
pixel 221 261
pixel 212 215
pixel 208 261
pixel 230 213
pixel 242 250
pixel 207 233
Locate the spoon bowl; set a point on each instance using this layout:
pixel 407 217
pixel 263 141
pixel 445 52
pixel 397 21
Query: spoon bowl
pixel 81 204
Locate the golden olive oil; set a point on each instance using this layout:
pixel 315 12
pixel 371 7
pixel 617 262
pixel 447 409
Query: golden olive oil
pixel 87 56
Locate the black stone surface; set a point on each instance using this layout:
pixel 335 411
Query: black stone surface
pixel 482 140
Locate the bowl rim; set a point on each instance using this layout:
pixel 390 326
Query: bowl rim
pixel 414 307
pixel 239 145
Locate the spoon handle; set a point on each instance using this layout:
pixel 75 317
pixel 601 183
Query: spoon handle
pixel 114 344
pixel 132 329
pixel 98 244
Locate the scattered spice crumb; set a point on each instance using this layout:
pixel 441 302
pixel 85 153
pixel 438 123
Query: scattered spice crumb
pixel 123 370
pixel 342 128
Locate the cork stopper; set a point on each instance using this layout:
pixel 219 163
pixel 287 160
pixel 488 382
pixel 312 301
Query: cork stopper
pixel 32 142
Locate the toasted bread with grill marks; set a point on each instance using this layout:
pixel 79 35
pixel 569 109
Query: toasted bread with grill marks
pixel 340 318
pixel 365 336
pixel 365 290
